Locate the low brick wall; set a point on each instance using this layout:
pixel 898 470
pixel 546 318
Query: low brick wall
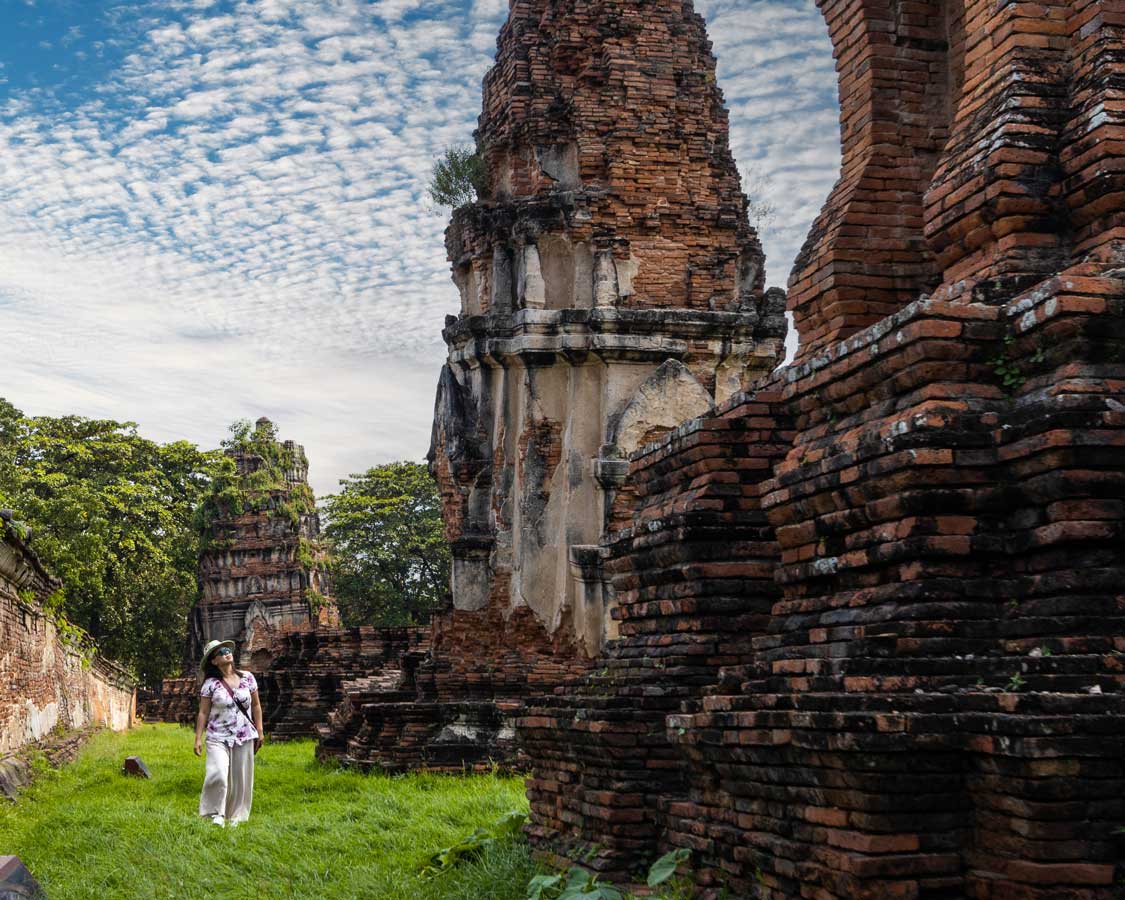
pixel 47 682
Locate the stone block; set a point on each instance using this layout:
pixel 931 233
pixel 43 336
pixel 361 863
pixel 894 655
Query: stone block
pixel 16 882
pixel 135 766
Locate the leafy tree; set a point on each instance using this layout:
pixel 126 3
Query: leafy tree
pixel 390 562
pixel 458 177
pixel 112 517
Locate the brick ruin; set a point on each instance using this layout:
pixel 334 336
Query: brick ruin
pixel 49 680
pixel 264 585
pixel 261 567
pixel 611 287
pixel 851 628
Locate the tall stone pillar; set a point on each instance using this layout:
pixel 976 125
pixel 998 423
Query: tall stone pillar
pixel 611 288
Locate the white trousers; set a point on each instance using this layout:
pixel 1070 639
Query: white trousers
pixel 228 785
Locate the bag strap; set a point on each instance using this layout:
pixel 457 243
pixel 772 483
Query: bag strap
pixel 238 703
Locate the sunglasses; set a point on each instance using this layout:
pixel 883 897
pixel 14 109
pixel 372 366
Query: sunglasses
pixel 224 651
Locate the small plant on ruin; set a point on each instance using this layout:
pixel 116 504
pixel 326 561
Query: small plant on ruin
pixel 1015 682
pixel 664 871
pixel 316 600
pixel 1007 368
pixel 576 884
pixel 306 553
pixel 759 876
pixel 458 177
pixel 472 847
pixel 1011 371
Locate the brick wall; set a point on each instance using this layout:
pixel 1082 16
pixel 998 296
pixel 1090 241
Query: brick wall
pixel 693 574
pixel 978 140
pixel 310 668
pixel 452 708
pixel 46 682
pixel 875 650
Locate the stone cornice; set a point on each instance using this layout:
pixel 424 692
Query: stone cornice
pixel 607 332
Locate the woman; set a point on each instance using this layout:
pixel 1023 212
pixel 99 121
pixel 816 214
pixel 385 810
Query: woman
pixel 230 711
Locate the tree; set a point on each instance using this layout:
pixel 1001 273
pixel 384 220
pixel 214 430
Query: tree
pixel 390 563
pixel 458 177
pixel 112 516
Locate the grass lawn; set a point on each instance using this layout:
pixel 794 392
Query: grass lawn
pixel 87 831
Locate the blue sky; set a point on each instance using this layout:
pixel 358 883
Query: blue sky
pixel 215 209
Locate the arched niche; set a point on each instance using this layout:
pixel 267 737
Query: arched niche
pixel 669 397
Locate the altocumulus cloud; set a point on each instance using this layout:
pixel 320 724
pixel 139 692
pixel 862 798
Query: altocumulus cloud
pixel 223 213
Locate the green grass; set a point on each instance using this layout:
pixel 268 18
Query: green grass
pixel 87 831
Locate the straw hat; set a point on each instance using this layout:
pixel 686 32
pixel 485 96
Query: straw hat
pixel 211 647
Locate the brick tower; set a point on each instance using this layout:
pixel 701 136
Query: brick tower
pixel 261 567
pixel 264 585
pixel 611 287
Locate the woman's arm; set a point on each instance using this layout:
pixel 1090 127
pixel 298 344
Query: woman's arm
pixel 201 723
pixel 256 712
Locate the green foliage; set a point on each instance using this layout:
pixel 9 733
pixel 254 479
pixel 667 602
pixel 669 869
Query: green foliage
pixel 1007 368
pixel 40 766
pixel 306 553
pixel 481 841
pixel 233 494
pixel 316 600
pixel 390 560
pixel 577 884
pixel 458 177
pixel 1011 371
pixel 665 867
pixel 112 515
pixel 87 831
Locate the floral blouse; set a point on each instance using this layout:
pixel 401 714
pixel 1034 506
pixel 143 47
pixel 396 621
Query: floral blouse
pixel 226 723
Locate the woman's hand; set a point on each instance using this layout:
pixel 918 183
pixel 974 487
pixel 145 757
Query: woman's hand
pixel 257 745
pixel 199 746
